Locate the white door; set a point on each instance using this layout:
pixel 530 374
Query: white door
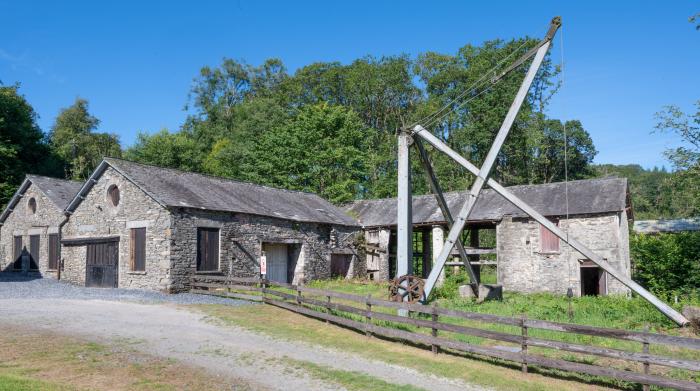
pixel 276 262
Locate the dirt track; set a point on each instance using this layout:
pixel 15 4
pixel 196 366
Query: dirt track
pixel 170 331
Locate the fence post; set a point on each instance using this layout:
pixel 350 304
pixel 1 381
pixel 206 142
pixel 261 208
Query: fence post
pixel 368 316
pixel 645 349
pixel 263 285
pixel 298 297
pixel 523 347
pixel 328 307
pixel 435 348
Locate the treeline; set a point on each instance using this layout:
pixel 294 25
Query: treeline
pixel 331 128
pixel 328 128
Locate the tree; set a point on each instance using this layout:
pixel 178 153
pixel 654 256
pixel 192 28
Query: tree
pixel 322 150
pixel 73 138
pixel 685 181
pixel 696 20
pixel 667 264
pixel 238 107
pixel 23 146
pixel 165 149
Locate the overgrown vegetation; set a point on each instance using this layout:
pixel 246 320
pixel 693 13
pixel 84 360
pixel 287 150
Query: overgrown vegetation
pixel 668 264
pixel 602 311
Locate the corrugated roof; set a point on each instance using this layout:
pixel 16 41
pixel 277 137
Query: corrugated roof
pixel 660 226
pixel 585 197
pixel 174 188
pixel 58 191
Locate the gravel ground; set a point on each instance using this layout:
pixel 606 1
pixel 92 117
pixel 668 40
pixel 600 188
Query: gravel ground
pixel 150 324
pixel 15 286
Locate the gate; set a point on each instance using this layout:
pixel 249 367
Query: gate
pixel 102 265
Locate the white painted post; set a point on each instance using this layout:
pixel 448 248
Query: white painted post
pixel 404 234
pixel 438 235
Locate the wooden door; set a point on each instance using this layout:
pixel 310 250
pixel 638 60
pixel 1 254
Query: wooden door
pixel 340 264
pixel 277 262
pixel 34 251
pixel 53 251
pixel 17 250
pixel 102 265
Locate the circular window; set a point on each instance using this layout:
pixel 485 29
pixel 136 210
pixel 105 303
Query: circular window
pixel 113 195
pixel 31 204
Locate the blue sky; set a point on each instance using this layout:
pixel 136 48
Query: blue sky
pixel 135 61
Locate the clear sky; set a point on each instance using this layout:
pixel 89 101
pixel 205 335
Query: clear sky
pixel 135 61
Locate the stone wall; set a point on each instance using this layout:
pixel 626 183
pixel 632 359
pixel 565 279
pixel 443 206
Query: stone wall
pixel 96 217
pixel 523 268
pixel 22 222
pixel 242 236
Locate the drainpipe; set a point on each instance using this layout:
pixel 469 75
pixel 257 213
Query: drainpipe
pixel 60 247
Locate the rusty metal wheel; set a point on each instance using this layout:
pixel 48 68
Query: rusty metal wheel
pixel 408 286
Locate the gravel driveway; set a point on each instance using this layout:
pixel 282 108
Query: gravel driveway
pixel 16 286
pixel 151 324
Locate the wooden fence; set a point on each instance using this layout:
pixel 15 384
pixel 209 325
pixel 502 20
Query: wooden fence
pixel 319 304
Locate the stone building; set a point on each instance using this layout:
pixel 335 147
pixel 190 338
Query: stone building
pixel 32 222
pixel 139 226
pixel 527 257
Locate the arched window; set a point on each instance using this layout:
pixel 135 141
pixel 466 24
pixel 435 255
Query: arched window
pixel 31 205
pixel 113 195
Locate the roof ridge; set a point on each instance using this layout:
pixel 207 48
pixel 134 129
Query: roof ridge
pixel 52 178
pixel 224 179
pixel 489 189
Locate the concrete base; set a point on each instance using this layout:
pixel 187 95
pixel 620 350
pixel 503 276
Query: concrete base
pixel 490 292
pixel 466 291
pixel 485 292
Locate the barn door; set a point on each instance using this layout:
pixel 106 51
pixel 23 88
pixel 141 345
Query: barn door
pixel 102 265
pixel 277 262
pixel 340 265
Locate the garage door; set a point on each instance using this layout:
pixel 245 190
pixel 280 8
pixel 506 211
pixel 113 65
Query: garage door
pixel 102 265
pixel 277 262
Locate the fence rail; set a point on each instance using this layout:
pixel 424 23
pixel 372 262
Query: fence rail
pixel 269 293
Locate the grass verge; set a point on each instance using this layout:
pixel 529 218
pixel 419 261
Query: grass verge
pixel 492 373
pixel 350 380
pixel 39 361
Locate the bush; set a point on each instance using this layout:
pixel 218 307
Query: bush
pixel 667 264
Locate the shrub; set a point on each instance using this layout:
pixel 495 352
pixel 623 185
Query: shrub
pixel 667 264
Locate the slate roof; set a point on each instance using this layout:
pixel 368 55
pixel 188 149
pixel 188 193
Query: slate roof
pixel 585 197
pixel 58 191
pixel 660 226
pixel 174 188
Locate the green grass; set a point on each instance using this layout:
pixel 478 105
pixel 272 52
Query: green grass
pixel 31 360
pixel 496 374
pixel 350 380
pixel 602 311
pixel 13 381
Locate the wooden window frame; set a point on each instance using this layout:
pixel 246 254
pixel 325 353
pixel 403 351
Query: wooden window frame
pixel 54 251
pixel 114 195
pixel 137 249
pixel 547 236
pixel 206 261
